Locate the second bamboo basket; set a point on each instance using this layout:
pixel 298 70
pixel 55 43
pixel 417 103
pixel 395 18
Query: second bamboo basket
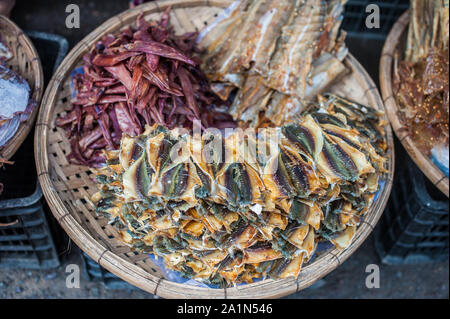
pixel 395 43
pixel 26 63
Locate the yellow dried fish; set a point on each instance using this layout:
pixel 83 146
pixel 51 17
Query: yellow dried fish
pixel 238 216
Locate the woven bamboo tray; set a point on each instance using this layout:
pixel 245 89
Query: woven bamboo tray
pixel 26 63
pixel 395 44
pixel 68 187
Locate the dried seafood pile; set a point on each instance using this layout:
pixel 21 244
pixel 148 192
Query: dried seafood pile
pixel 145 75
pixel 15 102
pixel 237 216
pixel 278 53
pixel 421 79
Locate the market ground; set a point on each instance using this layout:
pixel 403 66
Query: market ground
pixel 347 281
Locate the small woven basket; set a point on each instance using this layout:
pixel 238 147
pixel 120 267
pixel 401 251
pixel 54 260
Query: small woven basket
pixel 26 63
pixel 67 187
pixel 395 44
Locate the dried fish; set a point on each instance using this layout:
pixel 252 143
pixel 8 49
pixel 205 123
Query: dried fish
pixel 420 78
pixel 235 219
pixel 15 103
pixel 279 54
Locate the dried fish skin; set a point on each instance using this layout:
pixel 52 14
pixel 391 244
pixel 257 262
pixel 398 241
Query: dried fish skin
pixel 344 239
pixel 306 135
pixel 284 268
pixel 282 109
pixel 296 43
pixel 324 71
pixel 214 35
pixel 221 62
pixel 250 100
pixel 306 213
pixel 293 176
pixel 288 52
pixel 137 180
pixel 259 253
pixel 261 41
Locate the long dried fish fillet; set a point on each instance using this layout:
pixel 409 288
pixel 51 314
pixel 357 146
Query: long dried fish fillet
pixel 291 62
pixel 250 100
pixel 266 48
pixel 221 65
pixel 232 213
pixel 260 42
pixel 428 28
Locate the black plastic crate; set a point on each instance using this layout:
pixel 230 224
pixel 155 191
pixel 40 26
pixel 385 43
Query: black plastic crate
pixel 355 17
pixel 52 49
pixel 95 272
pixel 415 224
pixel 29 240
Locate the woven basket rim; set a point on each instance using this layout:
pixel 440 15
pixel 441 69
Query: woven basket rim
pixel 10 148
pixel 134 274
pixel 393 40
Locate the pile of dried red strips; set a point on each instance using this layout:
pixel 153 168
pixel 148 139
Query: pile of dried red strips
pixel 142 76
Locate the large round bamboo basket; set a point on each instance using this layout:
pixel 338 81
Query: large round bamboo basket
pixel 68 187
pixel 395 44
pixel 26 63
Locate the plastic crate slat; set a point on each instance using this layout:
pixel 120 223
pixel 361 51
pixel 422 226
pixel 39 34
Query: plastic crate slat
pixel 22 211
pixel 23 237
pixel 16 248
pixel 22 225
pixel 25 248
pixel 432 245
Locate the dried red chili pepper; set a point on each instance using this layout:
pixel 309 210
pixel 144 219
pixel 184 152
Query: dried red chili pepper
pixel 143 75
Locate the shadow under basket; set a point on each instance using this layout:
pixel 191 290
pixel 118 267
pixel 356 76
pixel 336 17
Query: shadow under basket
pixel 95 272
pixel 415 225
